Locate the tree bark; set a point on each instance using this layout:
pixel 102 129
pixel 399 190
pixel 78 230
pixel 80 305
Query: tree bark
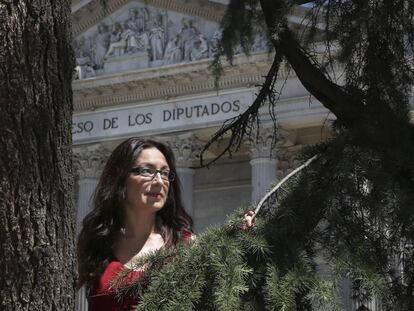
pixel 36 209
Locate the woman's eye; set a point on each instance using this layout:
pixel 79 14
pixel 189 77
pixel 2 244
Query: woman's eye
pixel 146 170
pixel 165 173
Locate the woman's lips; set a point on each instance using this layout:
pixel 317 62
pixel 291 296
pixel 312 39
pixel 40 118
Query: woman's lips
pixel 155 195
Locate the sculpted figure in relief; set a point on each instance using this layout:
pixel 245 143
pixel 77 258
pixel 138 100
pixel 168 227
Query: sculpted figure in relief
pixel 133 22
pixel 173 53
pixel 136 37
pixel 143 42
pixel 132 45
pixel 200 48
pixel 84 64
pixel 101 44
pixel 142 19
pixel 82 48
pixel 156 39
pixel 214 43
pixel 189 34
pixel 118 41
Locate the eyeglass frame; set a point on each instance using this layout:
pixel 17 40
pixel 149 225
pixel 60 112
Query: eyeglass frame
pixel 137 170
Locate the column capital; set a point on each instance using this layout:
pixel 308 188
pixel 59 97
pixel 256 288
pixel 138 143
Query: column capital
pixel 261 143
pixel 185 147
pixel 89 160
pixel 266 140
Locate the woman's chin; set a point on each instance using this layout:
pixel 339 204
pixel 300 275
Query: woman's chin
pixel 157 204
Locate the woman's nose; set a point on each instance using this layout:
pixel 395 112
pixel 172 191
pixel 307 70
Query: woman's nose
pixel 157 178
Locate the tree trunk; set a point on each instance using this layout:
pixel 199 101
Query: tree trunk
pixel 36 209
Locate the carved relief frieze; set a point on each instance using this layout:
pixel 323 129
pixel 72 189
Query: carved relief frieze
pixel 140 35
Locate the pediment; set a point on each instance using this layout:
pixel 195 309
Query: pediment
pixel 141 35
pixel 86 13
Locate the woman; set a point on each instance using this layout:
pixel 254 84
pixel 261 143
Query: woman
pixel 137 208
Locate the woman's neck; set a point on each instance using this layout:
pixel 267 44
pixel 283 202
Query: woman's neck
pixel 139 225
pixel 139 237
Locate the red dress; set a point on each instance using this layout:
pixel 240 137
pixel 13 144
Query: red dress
pixel 102 296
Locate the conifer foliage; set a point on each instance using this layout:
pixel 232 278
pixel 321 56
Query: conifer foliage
pixel 351 207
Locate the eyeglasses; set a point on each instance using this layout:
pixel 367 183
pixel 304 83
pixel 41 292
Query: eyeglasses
pixel 150 172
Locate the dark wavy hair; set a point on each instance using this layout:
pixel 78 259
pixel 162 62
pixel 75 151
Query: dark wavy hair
pixel 102 225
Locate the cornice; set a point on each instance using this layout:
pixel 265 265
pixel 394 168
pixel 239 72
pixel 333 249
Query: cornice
pixel 93 12
pixel 146 85
pixel 164 87
pixel 165 82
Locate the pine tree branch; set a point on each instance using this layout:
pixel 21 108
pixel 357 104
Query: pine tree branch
pixel 350 109
pixel 238 126
pixel 346 108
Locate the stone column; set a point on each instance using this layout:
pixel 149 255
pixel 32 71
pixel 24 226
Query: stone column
pixel 185 148
pixel 88 163
pixel 263 162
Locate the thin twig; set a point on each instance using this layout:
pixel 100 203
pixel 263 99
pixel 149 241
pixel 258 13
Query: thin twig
pixel 279 184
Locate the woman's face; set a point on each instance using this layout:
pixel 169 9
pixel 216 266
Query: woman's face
pixel 148 194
